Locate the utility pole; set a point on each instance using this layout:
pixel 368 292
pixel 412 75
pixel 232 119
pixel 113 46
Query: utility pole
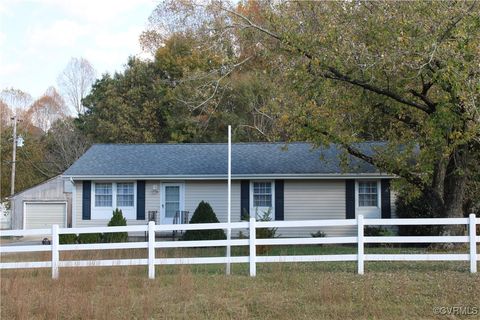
pixel 14 155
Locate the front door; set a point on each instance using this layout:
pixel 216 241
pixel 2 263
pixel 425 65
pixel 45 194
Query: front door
pixel 172 201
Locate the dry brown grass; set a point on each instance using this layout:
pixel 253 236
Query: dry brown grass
pixel 280 291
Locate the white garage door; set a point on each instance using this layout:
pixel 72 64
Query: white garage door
pixel 44 215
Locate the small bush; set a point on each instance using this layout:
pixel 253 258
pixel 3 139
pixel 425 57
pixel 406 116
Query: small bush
pixel 377 232
pixel 265 233
pixel 68 238
pixel 204 214
pixel 318 234
pixel 117 220
pixel 417 208
pixel 89 238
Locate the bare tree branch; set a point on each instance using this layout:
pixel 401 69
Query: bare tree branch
pixel 333 73
pixel 75 82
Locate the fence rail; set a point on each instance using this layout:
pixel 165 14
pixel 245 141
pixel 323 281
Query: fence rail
pixel 252 259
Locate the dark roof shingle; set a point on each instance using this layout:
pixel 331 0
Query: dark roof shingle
pixel 211 159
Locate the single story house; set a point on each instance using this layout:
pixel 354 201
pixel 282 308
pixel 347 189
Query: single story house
pixel 290 181
pixel 42 205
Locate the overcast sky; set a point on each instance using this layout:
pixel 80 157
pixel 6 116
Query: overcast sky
pixel 38 37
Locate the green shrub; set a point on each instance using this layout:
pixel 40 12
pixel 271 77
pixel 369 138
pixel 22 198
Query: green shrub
pixel 68 238
pixel 89 238
pixel 263 233
pixel 417 208
pixel 370 231
pixel 204 214
pixel 318 234
pixel 117 220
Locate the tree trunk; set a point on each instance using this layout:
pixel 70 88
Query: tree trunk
pixel 454 190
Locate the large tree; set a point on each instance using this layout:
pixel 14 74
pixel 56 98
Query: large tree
pixel 64 143
pixel 407 73
pixel 30 168
pixel 182 95
pixel 51 141
pixel 47 109
pixel 75 82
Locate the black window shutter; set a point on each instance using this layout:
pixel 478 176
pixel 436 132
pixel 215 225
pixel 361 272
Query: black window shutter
pixel 140 200
pixel 279 207
pixel 244 199
pixel 385 199
pixel 86 200
pixel 350 198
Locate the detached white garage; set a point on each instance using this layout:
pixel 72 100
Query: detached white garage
pixel 43 205
pixel 42 215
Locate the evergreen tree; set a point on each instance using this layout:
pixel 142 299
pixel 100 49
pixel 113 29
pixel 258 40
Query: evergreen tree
pixel 204 214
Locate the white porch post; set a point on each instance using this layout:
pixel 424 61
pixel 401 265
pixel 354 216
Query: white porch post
pixel 229 201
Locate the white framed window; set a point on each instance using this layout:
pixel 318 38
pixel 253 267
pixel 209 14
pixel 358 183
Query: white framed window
pixel 108 196
pixel 262 194
pixel 262 198
pixel 125 194
pixel 368 195
pixel 103 195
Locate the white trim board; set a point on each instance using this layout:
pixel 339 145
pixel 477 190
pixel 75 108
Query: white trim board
pixel 234 177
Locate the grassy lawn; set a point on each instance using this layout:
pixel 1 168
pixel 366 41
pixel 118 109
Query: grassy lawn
pixel 328 290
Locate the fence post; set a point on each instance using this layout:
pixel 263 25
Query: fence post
pixel 252 247
pixel 151 249
pixel 472 231
pixel 360 255
pixel 55 254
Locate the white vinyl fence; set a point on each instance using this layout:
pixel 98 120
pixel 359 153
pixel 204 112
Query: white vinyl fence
pixel 252 259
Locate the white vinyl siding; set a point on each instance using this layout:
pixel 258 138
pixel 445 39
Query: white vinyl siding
pixel 44 215
pixel 152 198
pixel 215 193
pixel 314 200
pixel 304 200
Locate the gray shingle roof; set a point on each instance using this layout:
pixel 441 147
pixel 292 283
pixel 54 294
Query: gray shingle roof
pixel 211 159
